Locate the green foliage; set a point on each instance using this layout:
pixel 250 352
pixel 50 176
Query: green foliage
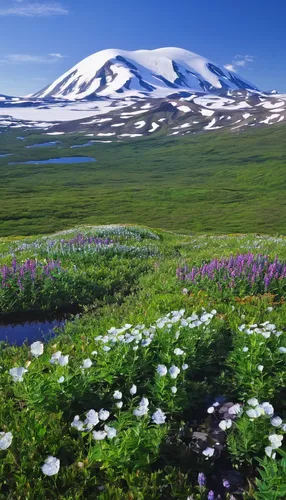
pixel 215 182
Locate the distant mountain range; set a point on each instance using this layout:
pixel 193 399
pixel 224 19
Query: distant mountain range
pixel 119 94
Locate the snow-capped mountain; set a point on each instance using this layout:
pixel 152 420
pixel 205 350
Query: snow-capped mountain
pixel 158 73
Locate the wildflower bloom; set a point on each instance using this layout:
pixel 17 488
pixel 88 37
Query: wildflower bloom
pixel 275 441
pixel 201 479
pixel 211 409
pixel 276 421
pixel 185 367
pixel 119 404
pixel 37 349
pixel 117 395
pixel 142 409
pixel 91 419
pixel 5 440
pixel 226 484
pixel 253 402
pixel 133 390
pixel 269 452
pixel 103 414
pixel 174 389
pixel 159 417
pixel 245 349
pixel 99 435
pixel 179 352
pixel 268 408
pixel 260 368
pixel 174 371
pixel 225 424
pixel 87 363
pixel 208 452
pixel 110 432
pixel 282 350
pixel 51 466
pixel 17 373
pixel 162 370
pixel 211 495
pixel 61 380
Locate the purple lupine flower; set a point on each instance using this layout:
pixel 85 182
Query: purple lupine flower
pixel 226 484
pixel 211 495
pixel 201 479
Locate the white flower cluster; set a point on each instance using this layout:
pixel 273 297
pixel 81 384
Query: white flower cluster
pixel 58 359
pixel 92 419
pixel 142 335
pixel 265 329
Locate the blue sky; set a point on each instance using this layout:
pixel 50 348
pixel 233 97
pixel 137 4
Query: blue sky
pixel 41 39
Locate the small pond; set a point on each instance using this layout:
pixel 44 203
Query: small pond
pixel 43 144
pixel 24 328
pixel 69 159
pixel 90 143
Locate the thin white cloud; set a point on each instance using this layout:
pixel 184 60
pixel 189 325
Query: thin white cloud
pixel 239 62
pixel 37 9
pixel 57 55
pixel 230 67
pixel 29 58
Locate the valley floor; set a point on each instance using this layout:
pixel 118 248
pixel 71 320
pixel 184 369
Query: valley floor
pixel 170 383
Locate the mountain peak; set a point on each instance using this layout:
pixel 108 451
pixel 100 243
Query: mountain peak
pixel 117 73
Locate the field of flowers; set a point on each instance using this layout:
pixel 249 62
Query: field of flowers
pixel 172 387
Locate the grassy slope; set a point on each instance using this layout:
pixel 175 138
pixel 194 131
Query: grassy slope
pixel 214 182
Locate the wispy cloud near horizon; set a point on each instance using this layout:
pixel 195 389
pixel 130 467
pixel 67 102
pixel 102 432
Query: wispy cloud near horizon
pixel 239 62
pixel 33 9
pixel 29 58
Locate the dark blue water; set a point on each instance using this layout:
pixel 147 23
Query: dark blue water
pixel 29 331
pixel 71 159
pixel 43 144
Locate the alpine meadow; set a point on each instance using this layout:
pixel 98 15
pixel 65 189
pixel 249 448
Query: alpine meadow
pixel 142 251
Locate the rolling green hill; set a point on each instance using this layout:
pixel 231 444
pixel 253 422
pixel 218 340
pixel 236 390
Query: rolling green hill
pixel 219 182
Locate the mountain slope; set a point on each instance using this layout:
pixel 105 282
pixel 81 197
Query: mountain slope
pixel 160 72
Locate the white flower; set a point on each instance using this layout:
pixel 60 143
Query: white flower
pixel 225 424
pixel 55 357
pixel 119 404
pixel 268 408
pixel 269 452
pixel 17 373
pixel 253 402
pixel 140 411
pixel 282 350
pixel 144 402
pixel 87 363
pixel 106 348
pixel 185 367
pixel 103 414
pixel 210 409
pixel 245 349
pixel 275 440
pixel 99 435
pixel 77 423
pixel 110 431
pixel 117 395
pixel 63 360
pixel 179 352
pixel 91 419
pixel 269 309
pixel 252 413
pixel 37 349
pixel 162 370
pixel 276 421
pixel 208 452
pixel 5 440
pixel 174 389
pixel 133 390
pixel 235 409
pixel 283 427
pixel 61 380
pixel 174 371
pixel 260 368
pixel 51 466
pixel 159 417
